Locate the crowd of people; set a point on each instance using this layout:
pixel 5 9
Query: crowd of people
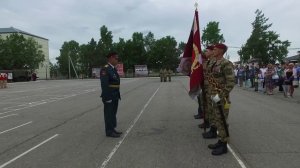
pixel 266 78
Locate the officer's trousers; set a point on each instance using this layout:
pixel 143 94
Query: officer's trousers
pixel 110 115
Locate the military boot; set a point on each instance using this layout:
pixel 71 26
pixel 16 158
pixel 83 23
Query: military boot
pixel 216 145
pixel 204 124
pixel 212 133
pixel 221 149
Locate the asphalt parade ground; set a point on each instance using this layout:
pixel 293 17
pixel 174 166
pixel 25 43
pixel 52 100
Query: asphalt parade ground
pixel 60 124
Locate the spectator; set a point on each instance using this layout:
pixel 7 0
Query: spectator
pixel 1 80
pixel 288 81
pixel 247 72
pixel 236 70
pixel 280 72
pixel 295 81
pixel 268 79
pixel 298 73
pixel 263 70
pixel 241 75
pixel 252 74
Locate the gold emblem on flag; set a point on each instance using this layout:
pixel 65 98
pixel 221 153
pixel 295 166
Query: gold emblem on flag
pixel 196 63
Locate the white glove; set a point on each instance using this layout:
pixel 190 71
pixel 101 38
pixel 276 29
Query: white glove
pixel 215 98
pixel 109 101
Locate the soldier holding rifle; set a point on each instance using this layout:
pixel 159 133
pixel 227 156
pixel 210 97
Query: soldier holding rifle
pixel 221 82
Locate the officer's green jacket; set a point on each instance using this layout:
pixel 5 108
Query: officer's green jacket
pixel 110 83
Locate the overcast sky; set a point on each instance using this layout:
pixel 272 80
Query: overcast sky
pixel 65 20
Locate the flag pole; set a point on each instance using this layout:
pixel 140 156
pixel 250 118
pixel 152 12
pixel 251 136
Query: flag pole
pixel 196 5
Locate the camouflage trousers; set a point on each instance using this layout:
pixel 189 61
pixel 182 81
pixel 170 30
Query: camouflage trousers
pixel 4 83
pixel 208 108
pixel 1 83
pixel 219 121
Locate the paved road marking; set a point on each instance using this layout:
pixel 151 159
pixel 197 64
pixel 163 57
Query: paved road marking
pixel 241 163
pixel 41 102
pixel 106 161
pixel 8 116
pixel 31 149
pixel 15 127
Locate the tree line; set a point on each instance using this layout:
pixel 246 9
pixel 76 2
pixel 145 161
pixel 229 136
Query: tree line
pixel 141 49
pixel 17 52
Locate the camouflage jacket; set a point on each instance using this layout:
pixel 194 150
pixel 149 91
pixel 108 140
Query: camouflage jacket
pixel 221 77
pixel 207 64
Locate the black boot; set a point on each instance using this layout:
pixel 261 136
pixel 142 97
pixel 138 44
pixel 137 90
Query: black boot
pixel 204 124
pixel 216 145
pixel 221 149
pixel 212 133
pixel 198 116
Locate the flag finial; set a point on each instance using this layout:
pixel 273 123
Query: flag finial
pixel 196 5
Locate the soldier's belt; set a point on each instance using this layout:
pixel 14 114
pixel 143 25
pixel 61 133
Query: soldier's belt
pixel 114 86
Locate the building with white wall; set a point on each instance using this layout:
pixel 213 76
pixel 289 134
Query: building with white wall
pixel 44 70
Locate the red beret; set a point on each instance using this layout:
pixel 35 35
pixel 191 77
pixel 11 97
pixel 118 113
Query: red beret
pixel 210 47
pixel 221 46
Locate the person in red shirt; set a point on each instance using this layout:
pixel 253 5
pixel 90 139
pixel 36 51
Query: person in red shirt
pixel 1 81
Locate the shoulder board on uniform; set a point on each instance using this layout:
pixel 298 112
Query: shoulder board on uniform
pixel 106 65
pixel 103 70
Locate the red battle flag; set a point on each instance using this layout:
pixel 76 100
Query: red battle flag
pixel 193 58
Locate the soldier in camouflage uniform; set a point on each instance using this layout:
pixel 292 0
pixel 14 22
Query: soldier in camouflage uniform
pixel 169 74
pixel 165 75
pixel 209 115
pixel 161 75
pixel 221 81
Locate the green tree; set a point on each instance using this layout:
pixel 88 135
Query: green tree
pixel 104 46
pixel 139 49
pixel 88 57
pixel 263 44
pixel 54 70
pixel 134 51
pixel 69 50
pixel 119 47
pixel 165 54
pixel 18 52
pixel 149 41
pixel 181 47
pixel 212 34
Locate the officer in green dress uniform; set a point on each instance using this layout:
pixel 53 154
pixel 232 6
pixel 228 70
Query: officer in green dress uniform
pixel 110 85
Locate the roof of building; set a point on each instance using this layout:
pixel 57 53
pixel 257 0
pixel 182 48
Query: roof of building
pixel 14 30
pixel 293 58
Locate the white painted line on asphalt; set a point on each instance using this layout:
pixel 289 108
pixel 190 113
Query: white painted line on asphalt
pixel 8 116
pixel 241 163
pixel 31 149
pixel 127 132
pixel 15 127
pixel 41 102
